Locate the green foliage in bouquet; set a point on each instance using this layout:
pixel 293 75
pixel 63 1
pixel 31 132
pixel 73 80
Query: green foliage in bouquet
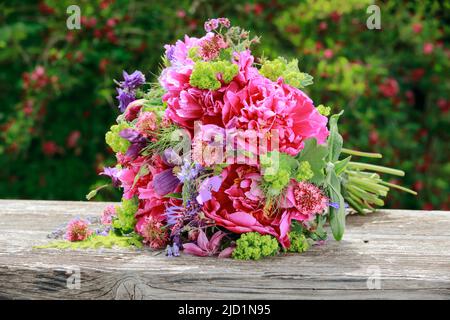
pixel 57 95
pixel 96 242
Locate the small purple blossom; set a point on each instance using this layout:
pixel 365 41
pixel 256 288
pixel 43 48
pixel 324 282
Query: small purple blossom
pixel 132 81
pixel 208 185
pixel 336 205
pixel 189 172
pixel 125 97
pixel 138 141
pixel 113 173
pixel 173 251
pixel 171 158
pixel 127 88
pixel 170 49
pixel 213 24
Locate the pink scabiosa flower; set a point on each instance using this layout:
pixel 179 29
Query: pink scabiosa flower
pixel 210 46
pixel 151 228
pixel 108 214
pixel 146 122
pixel 304 200
pixel 78 230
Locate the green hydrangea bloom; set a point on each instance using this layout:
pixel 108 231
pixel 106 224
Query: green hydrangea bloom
pixel 323 110
pixel 277 171
pixel 289 71
pixel 204 75
pixel 299 243
pixel 116 142
pixel 97 241
pixel 304 171
pixel 254 246
pixel 125 221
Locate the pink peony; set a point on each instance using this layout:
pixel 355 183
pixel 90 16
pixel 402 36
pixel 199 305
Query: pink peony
pixel 264 106
pixel 239 205
pixel 78 230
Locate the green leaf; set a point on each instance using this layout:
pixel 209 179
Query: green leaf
pixel 340 166
pixel 176 195
pixel 315 154
pixel 335 140
pixel 337 216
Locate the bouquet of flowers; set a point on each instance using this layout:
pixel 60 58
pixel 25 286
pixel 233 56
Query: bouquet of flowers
pixel 226 155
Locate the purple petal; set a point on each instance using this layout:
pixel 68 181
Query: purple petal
pixel 113 173
pixel 170 157
pixel 130 135
pixel 165 182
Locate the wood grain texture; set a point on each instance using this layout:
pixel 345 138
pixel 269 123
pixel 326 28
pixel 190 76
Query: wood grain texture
pixel 406 252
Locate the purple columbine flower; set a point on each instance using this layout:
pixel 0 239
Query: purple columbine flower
pixel 113 173
pixel 125 97
pixel 133 81
pixel 138 142
pixel 208 185
pixel 127 88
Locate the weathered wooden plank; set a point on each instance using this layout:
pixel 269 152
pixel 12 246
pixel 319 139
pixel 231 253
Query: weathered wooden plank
pixel 405 253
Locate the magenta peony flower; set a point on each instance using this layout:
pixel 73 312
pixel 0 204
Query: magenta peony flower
pixel 239 204
pixel 266 106
pixel 78 230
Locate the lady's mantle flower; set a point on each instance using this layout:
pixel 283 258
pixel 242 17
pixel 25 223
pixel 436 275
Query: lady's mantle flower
pixel 255 246
pixel 77 230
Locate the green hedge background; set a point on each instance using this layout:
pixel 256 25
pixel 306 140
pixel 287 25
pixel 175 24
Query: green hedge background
pixel 58 95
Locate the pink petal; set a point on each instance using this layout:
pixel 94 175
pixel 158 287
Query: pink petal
pixel 202 240
pixel 214 243
pixel 226 253
pixel 242 218
pixel 191 248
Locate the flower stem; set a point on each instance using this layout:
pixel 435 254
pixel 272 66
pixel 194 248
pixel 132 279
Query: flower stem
pixel 361 154
pixel 399 187
pixel 372 167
